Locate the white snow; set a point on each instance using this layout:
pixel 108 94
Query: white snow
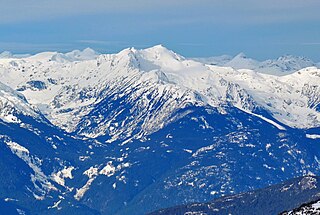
pixel 80 192
pixel 152 76
pixel 56 205
pixel 108 170
pixel 313 136
pixel 268 146
pixel 91 172
pixel 10 200
pixel 267 120
pixel 16 148
pixel 59 176
pixel 316 205
pixel 203 150
pixel 188 151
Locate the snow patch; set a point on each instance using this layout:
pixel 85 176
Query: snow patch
pixel 108 170
pixel 60 176
pixel 313 136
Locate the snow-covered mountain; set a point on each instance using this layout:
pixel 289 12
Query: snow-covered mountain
pixel 146 129
pixel 76 55
pixel 241 61
pixel 68 91
pixel 283 65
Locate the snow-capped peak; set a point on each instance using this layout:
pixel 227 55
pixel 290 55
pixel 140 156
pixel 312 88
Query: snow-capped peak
pixel 241 61
pixel 158 49
pixel 75 55
pixel 240 55
pixel 159 52
pixel 86 54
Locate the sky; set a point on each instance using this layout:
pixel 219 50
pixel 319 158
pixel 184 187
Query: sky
pixel 194 28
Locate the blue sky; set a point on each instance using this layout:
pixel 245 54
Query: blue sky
pixel 260 28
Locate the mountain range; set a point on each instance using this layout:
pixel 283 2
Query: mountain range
pixel 141 130
pixel 283 65
pixel 274 199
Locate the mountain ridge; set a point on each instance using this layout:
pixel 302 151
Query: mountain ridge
pixel 78 86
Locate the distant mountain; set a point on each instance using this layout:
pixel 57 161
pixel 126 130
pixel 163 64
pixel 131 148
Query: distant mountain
pixel 141 130
pixel 7 55
pixel 284 65
pixel 270 200
pixel 76 55
pixel 241 61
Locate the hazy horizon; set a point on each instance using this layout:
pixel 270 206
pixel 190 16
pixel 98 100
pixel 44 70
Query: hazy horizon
pixel 261 29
